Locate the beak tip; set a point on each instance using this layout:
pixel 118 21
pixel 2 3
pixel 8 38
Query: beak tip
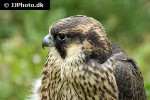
pixel 46 42
pixel 43 45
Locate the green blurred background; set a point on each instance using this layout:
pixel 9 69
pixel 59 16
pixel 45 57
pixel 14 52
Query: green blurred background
pixel 127 23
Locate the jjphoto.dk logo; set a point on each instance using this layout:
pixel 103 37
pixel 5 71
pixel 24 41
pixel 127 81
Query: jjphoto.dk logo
pixel 25 5
pixel 6 5
pixel 39 4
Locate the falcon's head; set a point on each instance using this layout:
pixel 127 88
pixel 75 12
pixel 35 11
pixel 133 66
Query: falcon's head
pixel 78 35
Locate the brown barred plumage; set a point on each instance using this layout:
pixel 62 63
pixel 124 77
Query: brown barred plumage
pixel 83 64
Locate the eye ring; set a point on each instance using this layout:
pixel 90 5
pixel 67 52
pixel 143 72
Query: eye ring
pixel 61 37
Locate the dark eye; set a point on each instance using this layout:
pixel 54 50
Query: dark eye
pixel 61 37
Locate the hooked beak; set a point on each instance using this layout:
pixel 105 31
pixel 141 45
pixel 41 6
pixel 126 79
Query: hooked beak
pixel 47 41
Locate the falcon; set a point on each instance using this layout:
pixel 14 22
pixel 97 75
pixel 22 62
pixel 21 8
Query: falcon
pixel 83 64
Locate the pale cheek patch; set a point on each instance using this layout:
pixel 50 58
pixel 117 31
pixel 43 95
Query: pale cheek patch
pixel 72 63
pixel 73 52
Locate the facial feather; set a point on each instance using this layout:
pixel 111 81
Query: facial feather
pixel 76 59
pixel 77 39
pixel 81 30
